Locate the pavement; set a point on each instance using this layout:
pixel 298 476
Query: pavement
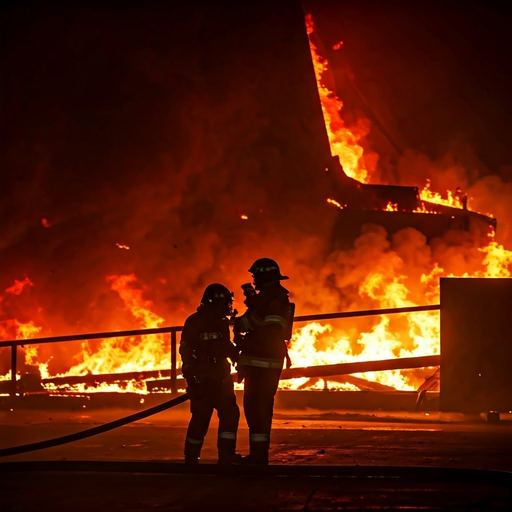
pixel 320 460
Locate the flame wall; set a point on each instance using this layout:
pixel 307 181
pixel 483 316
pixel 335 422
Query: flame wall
pixel 158 128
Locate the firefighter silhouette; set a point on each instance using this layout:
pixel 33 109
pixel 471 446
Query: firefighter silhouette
pixel 205 348
pixel 261 334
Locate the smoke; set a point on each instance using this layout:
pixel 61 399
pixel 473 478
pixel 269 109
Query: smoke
pixel 489 194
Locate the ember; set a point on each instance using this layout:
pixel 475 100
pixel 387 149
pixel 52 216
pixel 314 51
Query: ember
pixel 335 203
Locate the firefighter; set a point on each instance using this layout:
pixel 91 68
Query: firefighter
pixel 261 334
pixel 205 348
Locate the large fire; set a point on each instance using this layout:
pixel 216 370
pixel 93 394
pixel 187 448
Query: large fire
pixel 392 278
pixel 344 141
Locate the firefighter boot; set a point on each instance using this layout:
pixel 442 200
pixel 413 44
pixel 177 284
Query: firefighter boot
pixel 226 447
pixel 259 448
pixel 192 450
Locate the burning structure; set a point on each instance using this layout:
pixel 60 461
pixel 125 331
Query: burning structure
pixel 138 184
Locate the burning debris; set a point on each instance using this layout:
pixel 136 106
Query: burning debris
pixel 368 203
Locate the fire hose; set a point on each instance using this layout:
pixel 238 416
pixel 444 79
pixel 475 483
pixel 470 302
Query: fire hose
pixel 84 434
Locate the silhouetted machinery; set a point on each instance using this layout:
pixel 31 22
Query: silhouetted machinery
pixel 476 350
pixel 362 204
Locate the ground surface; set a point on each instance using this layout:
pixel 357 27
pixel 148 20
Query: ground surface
pixel 349 440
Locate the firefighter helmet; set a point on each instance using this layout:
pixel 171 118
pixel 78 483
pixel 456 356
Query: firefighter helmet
pixel 266 270
pixel 216 292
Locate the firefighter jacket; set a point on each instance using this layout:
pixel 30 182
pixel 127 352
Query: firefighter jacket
pixel 205 346
pixel 267 323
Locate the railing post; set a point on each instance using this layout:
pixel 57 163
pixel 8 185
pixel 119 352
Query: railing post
pixel 14 368
pixel 174 341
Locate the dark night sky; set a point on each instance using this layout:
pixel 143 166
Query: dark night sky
pixel 436 73
pixel 157 124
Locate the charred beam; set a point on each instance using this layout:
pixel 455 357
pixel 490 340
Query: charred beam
pixel 107 378
pixel 361 367
pixel 362 384
pixel 331 370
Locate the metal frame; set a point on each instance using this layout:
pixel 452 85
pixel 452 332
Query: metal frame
pixel 14 344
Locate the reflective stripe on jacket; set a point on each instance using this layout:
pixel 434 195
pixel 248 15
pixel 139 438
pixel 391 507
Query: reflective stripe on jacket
pixel 261 362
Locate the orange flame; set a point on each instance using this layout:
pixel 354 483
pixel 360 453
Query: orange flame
pixel 391 207
pixel 498 260
pixel 423 209
pixel 12 327
pixel 119 355
pixel 344 142
pixel 435 197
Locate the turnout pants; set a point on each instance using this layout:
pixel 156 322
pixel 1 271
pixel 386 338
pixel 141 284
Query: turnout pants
pixel 259 390
pixel 204 398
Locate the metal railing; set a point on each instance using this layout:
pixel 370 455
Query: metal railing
pixel 14 344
